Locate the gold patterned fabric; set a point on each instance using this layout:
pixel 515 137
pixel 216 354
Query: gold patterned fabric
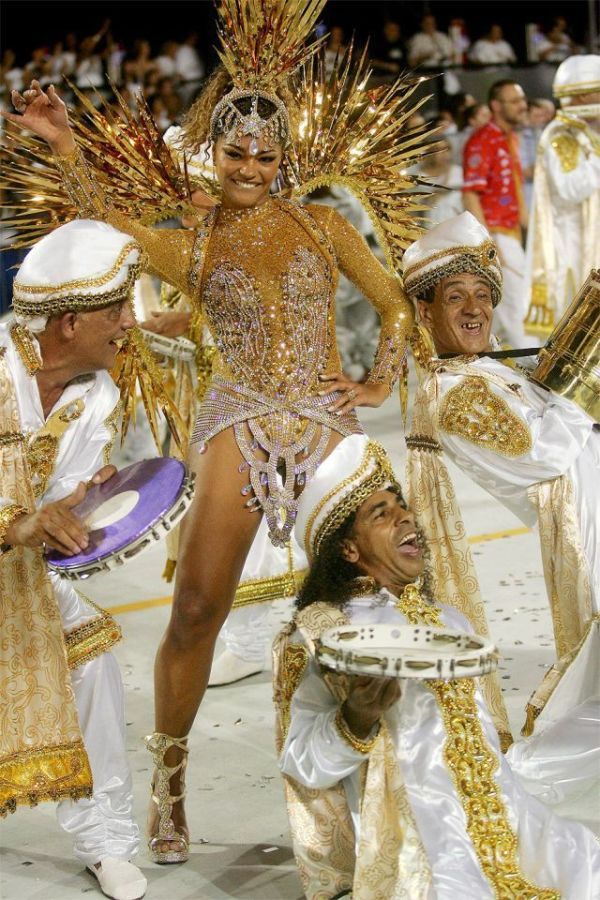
pixel 431 496
pixel 320 820
pixel 567 149
pixel 93 638
pixel 265 279
pixel 473 411
pixel 41 752
pixel 472 764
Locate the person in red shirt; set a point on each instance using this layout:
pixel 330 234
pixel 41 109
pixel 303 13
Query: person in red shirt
pixel 493 192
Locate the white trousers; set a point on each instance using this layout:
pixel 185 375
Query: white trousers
pixel 103 825
pixel 246 632
pixel 510 312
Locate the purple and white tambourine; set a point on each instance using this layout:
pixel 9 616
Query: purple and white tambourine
pixel 132 510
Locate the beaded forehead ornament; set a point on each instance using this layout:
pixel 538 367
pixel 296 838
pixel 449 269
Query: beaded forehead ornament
pixel 262 44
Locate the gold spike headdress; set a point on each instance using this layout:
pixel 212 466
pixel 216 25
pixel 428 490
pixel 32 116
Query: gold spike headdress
pixel 262 44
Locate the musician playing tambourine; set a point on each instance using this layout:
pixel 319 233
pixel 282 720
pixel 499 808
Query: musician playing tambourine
pixel 533 449
pixel 398 788
pixel 63 717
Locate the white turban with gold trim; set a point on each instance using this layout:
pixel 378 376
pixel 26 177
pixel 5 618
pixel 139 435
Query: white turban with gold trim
pixel 577 75
pixel 356 469
pixel 460 244
pixel 81 266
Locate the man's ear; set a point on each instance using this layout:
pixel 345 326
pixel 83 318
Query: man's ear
pixel 349 551
pixel 66 325
pixel 425 312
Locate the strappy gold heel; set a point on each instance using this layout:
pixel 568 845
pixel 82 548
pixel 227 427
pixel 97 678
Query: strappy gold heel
pixel 158 744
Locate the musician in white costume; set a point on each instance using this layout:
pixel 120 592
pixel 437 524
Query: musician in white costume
pixel 537 453
pixel 398 789
pixel 563 241
pixel 63 720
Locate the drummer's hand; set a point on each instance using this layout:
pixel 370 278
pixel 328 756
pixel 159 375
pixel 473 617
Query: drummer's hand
pixel 354 393
pixel 171 323
pixel 368 698
pixel 103 474
pixel 45 114
pixel 54 525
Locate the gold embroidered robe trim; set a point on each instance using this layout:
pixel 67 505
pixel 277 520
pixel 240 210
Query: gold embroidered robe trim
pixel 89 640
pixel 320 820
pixel 566 147
pixel 432 497
pixel 474 412
pixel 41 752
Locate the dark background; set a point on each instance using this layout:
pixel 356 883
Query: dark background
pixel 26 24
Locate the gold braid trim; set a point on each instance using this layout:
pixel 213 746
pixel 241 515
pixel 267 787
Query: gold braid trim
pixel 91 639
pixel 78 302
pixel 361 746
pixel 50 773
pixel 78 283
pixel 473 411
pixel 8 514
pixel 111 423
pixel 26 349
pixel 8 438
pixel 472 764
pixel 416 608
pixel 422 442
pixel 265 590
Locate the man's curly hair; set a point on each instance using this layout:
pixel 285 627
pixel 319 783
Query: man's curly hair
pixel 333 579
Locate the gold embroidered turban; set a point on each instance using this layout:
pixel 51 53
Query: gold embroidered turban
pixel 356 469
pixel 460 244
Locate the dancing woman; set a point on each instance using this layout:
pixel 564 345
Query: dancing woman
pixel 264 271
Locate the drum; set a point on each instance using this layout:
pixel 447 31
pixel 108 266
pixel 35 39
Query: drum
pixel 135 508
pixel 569 364
pixel 406 651
pixel 179 348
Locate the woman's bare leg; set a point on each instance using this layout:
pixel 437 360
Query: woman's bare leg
pixel 215 538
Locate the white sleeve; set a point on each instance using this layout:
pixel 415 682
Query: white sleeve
pixel 576 185
pixel 314 753
pixel 559 433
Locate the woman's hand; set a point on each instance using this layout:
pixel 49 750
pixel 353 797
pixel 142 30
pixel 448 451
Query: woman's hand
pixel 170 323
pixel 354 393
pixel 45 114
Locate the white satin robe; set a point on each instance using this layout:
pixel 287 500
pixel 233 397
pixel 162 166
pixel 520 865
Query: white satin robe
pixel 562 759
pixel 103 825
pixel 553 852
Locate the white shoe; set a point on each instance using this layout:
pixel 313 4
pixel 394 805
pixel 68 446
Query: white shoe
pixel 119 879
pixel 228 668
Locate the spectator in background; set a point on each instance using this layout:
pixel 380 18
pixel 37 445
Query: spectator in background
pixel 138 65
pixel 469 120
pixel 447 177
pixel 493 192
pixel 539 113
pixel 11 75
pixel 189 66
pixel 336 46
pixel 38 68
pixel 492 50
pixel 429 47
pixel 388 52
pixel 460 40
pixel 557 44
pixel 166 62
pixel 166 93
pixel 89 69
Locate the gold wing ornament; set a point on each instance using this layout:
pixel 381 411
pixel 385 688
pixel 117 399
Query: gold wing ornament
pixel 356 137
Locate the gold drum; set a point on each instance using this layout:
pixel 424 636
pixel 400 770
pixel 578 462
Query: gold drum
pixel 569 363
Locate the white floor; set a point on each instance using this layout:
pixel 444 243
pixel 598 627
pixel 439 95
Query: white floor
pixel 240 841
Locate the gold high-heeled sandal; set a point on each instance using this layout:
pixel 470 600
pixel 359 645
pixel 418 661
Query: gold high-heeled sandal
pixel 158 744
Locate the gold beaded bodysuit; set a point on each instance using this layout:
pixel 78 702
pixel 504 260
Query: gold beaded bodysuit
pixel 266 278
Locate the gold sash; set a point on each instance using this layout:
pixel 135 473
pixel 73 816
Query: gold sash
pixel 42 756
pixel 432 498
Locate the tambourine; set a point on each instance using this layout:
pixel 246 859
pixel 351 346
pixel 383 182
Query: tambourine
pixel 132 510
pixel 179 348
pixel 406 651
